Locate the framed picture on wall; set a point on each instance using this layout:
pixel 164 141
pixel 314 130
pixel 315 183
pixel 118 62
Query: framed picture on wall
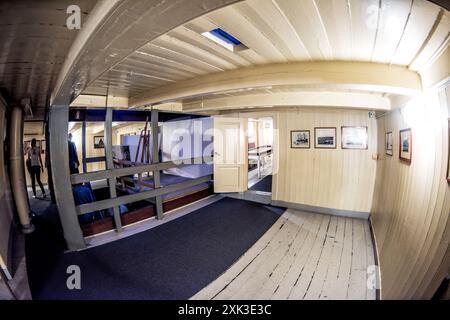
pixel 43 146
pixel 99 142
pixel 389 141
pixel 405 147
pixel 325 138
pixel 300 139
pixel 354 138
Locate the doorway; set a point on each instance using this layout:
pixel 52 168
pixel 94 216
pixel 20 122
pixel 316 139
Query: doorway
pixel 260 154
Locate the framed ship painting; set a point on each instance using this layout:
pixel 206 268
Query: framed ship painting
pixel 300 139
pixel 405 145
pixel 325 138
pixel 354 138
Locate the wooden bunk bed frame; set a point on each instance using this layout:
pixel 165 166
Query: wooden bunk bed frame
pixel 147 204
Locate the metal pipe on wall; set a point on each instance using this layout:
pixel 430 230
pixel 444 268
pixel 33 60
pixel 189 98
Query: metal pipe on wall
pixel 17 170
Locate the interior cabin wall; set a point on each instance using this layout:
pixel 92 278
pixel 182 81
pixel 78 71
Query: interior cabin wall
pixel 130 129
pixel 265 132
pixel 328 178
pixel 412 202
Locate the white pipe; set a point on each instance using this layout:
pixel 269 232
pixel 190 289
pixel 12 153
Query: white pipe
pixel 17 170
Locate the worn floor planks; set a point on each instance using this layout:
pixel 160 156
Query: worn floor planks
pixel 303 256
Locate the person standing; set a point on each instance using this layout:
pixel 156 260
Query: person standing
pixel 35 160
pixel 73 156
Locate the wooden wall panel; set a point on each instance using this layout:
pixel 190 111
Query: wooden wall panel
pixel 411 203
pixel 337 179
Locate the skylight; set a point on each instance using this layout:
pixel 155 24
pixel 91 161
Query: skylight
pixel 225 39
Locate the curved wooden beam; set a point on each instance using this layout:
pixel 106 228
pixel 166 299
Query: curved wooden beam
pixel 293 99
pixel 329 75
pixel 114 30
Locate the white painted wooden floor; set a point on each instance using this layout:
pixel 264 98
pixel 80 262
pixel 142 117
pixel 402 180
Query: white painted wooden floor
pixel 302 256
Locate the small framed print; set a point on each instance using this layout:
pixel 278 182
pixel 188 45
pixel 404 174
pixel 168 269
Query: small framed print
pixel 325 138
pixel 99 142
pixel 405 147
pixel 389 141
pixel 43 146
pixel 354 138
pixel 300 139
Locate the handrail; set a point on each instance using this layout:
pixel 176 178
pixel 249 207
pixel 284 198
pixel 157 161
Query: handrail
pixel 120 172
pixel 109 203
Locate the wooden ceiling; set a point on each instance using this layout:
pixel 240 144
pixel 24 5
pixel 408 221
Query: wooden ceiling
pixel 398 32
pixel 34 42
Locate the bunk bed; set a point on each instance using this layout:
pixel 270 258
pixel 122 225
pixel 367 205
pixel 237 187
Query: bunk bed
pixel 137 151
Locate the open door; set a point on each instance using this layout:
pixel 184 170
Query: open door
pixel 230 155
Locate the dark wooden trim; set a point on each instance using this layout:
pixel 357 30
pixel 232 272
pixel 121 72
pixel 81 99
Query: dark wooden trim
pixel 408 161
pixel 359 127
pixel 442 3
pixel 83 147
pixel 95 159
pixel 107 224
pixel 309 140
pixel 315 138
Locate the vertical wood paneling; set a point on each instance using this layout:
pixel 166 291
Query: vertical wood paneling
pixel 336 19
pixel 334 178
pixel 364 20
pixel 423 16
pixel 412 202
pixel 243 27
pixel 308 25
pixel 393 18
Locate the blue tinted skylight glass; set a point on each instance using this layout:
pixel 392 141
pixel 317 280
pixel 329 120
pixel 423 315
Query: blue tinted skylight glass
pixel 228 38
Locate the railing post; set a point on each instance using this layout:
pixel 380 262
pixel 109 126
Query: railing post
pixel 83 146
pixel 59 159
pixel 155 159
pixel 110 165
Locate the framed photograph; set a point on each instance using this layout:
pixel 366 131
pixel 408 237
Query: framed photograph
pixel 354 138
pixel 389 141
pixel 43 146
pixel 300 139
pixel 405 152
pixel 99 142
pixel 325 138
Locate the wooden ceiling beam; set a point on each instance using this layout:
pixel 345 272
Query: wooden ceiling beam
pixel 114 30
pixel 293 99
pixel 331 76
